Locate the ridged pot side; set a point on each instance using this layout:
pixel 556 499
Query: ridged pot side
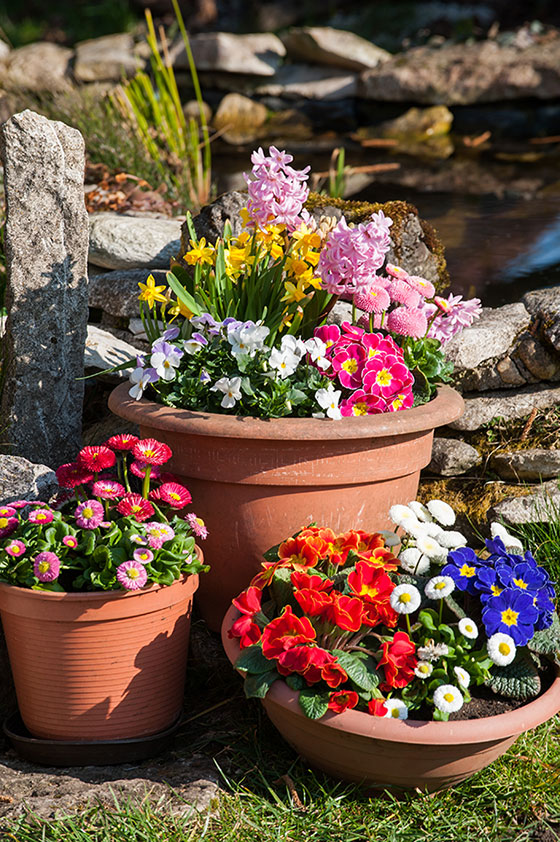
pixel 98 666
pixel 254 482
pixel 358 747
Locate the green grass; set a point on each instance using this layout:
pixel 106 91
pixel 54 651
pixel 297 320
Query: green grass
pixel 270 795
pixel 544 539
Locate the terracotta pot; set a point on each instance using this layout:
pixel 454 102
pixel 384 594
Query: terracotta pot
pixel 255 482
pixel 100 665
pixel 407 754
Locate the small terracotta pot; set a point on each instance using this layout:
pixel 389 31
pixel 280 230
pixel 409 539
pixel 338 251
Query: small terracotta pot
pixel 407 754
pixel 255 482
pixel 100 665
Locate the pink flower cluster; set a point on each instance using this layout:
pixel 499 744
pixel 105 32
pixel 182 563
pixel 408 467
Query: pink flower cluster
pixel 277 192
pixel 352 255
pixel 398 303
pixel 369 366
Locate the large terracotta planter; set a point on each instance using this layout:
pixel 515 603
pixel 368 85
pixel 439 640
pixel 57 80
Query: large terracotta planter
pixel 358 747
pixel 256 481
pixel 104 665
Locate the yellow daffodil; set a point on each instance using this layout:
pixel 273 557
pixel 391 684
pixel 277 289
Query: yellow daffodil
pixel 150 293
pixel 242 240
pixel 293 292
pixel 305 238
pixel 245 216
pixel 296 266
pixel 200 253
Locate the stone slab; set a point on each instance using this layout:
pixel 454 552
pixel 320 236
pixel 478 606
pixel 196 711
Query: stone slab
pixel 257 54
pixel 117 292
pixel 106 59
pixel 490 337
pixel 21 479
pixel 452 457
pixel 119 241
pixel 103 350
pixel 527 465
pixel 46 241
pixel 296 81
pixel 482 409
pixel 333 47
pixel 540 506
pixel 544 304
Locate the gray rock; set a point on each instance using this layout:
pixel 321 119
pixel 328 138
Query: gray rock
pixel 545 305
pixel 541 506
pixel 117 292
pixel 489 338
pixel 501 404
pixel 459 74
pixel 341 312
pixel 103 350
pixel 4 51
pixel 46 241
pixel 21 479
pixel 533 464
pixel 240 119
pixel 451 457
pixel 209 223
pixel 296 81
pixel 333 47
pixel 541 364
pixel 119 241
pixel 256 54
pixel 106 59
pixel 412 253
pixel 42 66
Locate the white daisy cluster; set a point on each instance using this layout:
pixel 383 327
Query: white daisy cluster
pixel 512 545
pixel 426 541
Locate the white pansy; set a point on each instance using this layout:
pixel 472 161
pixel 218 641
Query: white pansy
pixel 231 389
pixel 463 677
pixel 501 649
pixel 412 561
pixel 430 547
pixel 405 599
pixel 448 698
pixel 317 350
pixel 328 400
pixel 403 516
pixel 421 512
pixel 285 362
pixel 165 360
pixel 396 709
pixel 391 538
pixel 247 339
pixel 512 545
pixel 294 346
pixel 451 540
pixel 141 378
pixel 468 628
pixel 439 587
pixel 442 512
pixel 423 669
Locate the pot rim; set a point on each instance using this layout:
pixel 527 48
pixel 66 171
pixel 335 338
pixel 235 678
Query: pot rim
pixel 447 406
pixel 360 724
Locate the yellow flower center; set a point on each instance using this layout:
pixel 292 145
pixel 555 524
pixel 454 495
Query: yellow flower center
pixel 520 583
pixel 383 377
pixel 504 648
pixel 424 668
pixel 174 495
pixel 359 408
pixel 87 512
pixel 350 365
pixel 469 628
pixel 467 571
pixel 149 453
pixel 404 597
pixel 133 573
pixel 42 516
pixel 395 713
pixel 439 586
pixel 3 522
pixel 448 697
pixel 496 591
pixel 509 617
pixel 15 550
pixel 44 567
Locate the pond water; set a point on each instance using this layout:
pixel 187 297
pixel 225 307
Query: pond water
pixel 496 249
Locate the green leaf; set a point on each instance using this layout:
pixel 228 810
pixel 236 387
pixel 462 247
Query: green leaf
pixel 519 680
pixel 295 681
pixel 454 607
pixel 356 670
pixel 282 588
pixel 182 294
pixel 313 704
pixel 257 686
pixel 252 660
pixel 428 619
pixel 547 642
pixel 88 544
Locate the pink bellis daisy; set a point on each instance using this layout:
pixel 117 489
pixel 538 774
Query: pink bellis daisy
pixel 396 272
pixel 176 495
pixel 144 555
pixel 40 516
pixel 374 300
pixel 197 525
pixel 96 458
pixel 401 293
pixel 89 514
pixel 108 489
pixel 151 452
pixel 421 285
pixel 132 575
pixel 70 541
pixel 124 441
pixel 7 511
pixel 134 505
pixel 15 548
pixel 8 525
pixel 407 322
pixel 139 470
pixel 46 566
pixel 72 474
pixel 158 534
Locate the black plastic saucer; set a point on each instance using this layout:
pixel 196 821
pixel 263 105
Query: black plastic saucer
pixel 85 753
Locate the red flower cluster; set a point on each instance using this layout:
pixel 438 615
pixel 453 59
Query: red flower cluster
pixel 398 661
pixel 316 544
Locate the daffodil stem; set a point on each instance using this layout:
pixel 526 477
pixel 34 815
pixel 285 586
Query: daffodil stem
pixel 146 482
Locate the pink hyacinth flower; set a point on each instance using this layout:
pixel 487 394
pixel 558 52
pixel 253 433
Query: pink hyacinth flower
pixel 132 575
pixel 348 363
pixel 407 322
pixel 362 403
pixel 386 375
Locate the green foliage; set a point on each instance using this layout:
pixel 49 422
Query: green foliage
pixel 427 362
pixel 313 704
pixel 358 672
pixel 256 686
pixel 547 641
pixel 519 680
pixel 179 147
pixel 252 660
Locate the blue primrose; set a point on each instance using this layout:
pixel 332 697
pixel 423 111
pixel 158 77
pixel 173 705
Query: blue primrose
pixel 487 584
pixel 523 576
pixel 463 567
pixel 498 553
pixel 513 613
